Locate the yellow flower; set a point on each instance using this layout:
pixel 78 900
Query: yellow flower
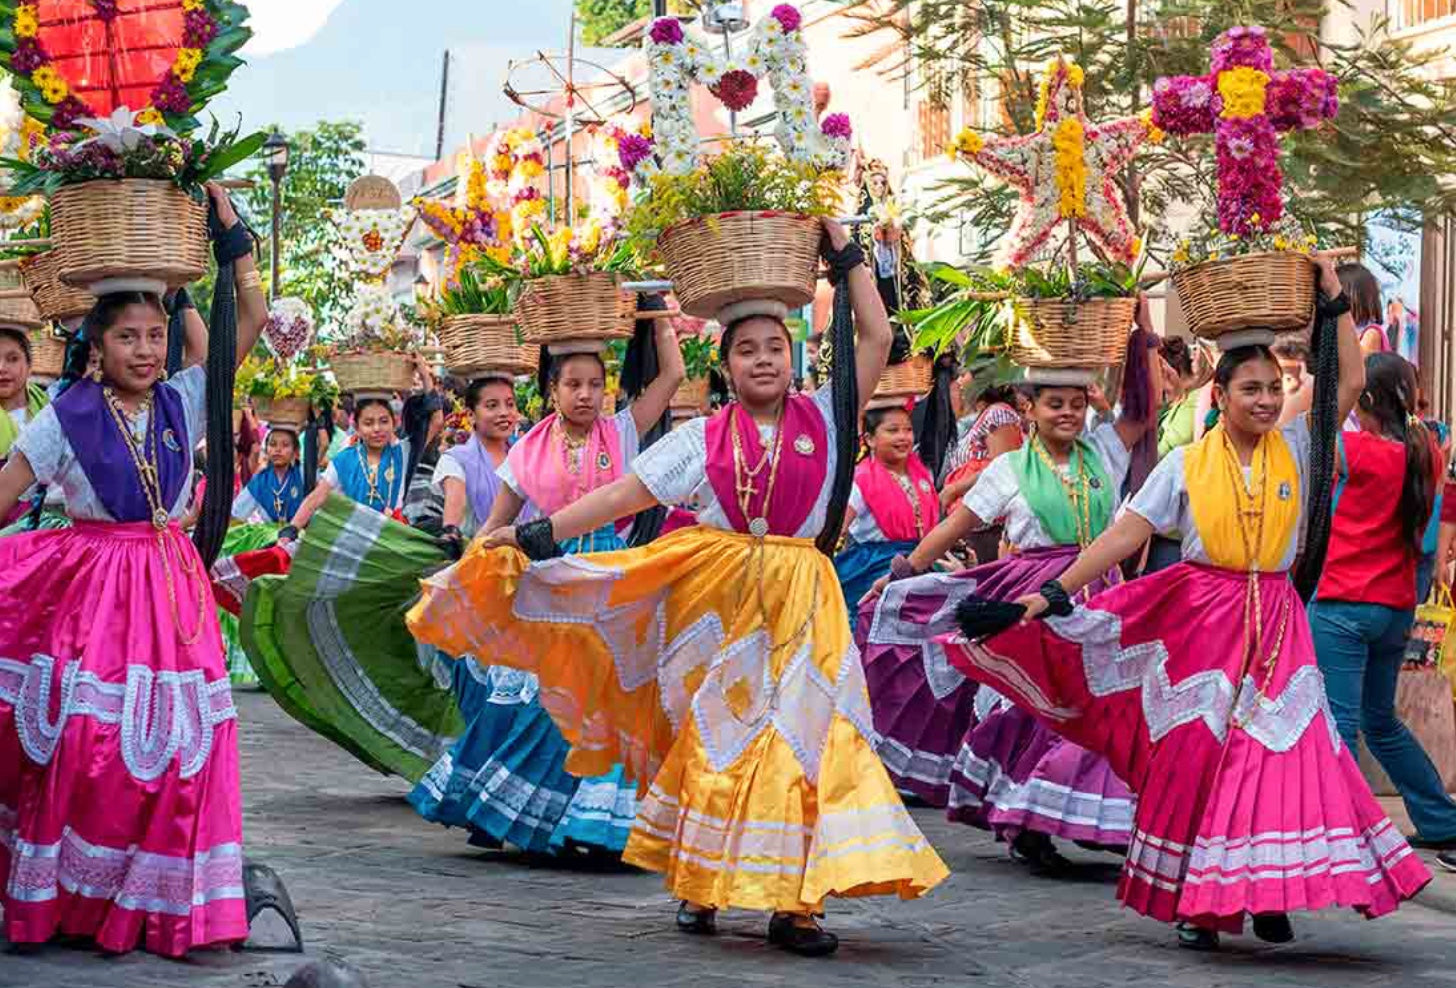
pixel 1155 133
pixel 151 115
pixel 32 132
pixel 26 22
pixel 1280 243
pixel 530 168
pixel 185 67
pixel 966 142
pixel 56 91
pixel 1180 255
pixel 1243 91
pixel 1069 147
pixel 44 76
pixel 501 163
pixel 1075 75
pixel 193 4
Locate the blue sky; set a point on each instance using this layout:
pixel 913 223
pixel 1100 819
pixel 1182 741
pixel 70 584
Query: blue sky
pixel 378 61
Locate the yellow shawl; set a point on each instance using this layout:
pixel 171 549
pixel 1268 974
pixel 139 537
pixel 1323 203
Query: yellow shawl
pixel 1211 471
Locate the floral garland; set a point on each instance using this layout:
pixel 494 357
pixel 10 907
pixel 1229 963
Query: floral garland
pixel 212 31
pixel 1065 171
pixel 775 51
pixel 368 240
pixel 472 225
pixel 1245 104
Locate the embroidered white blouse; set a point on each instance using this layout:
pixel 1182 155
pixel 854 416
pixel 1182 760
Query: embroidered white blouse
pixel 675 469
pixel 1163 499
pixel 49 452
pixel 997 492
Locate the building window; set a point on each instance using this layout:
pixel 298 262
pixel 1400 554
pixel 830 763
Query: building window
pixel 1406 14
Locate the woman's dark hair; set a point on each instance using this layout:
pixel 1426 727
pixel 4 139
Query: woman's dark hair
pixel 1291 349
pixel 997 394
pixel 934 419
pixel 362 403
pixel 1364 292
pixel 20 337
pixel 875 417
pixel 548 370
pixel 476 390
pixel 283 430
pixel 1233 359
pixel 1176 352
pixel 1390 398
pixel 1035 391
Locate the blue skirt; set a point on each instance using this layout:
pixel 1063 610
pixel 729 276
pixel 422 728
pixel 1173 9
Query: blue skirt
pixel 861 564
pixel 505 778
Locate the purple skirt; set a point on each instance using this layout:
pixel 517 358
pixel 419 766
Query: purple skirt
pixel 958 746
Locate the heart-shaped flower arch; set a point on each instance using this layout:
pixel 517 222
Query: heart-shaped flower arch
pixel 85 58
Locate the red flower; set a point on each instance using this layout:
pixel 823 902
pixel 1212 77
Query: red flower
pixel 736 89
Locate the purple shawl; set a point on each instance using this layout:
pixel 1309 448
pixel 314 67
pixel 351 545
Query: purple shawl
pixel 102 452
pixel 802 472
pixel 481 482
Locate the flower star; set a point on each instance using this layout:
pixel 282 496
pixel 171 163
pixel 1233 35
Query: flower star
pixel 120 131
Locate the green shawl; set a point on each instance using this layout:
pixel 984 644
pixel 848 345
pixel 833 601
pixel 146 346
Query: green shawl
pixel 1048 500
pixel 35 400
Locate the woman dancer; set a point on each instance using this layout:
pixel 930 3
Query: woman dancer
pixel 1199 682
pixel 892 505
pixel 21 399
pixel 716 662
pixel 997 429
pixel 970 751
pixel 274 494
pixel 568 454
pixel 109 828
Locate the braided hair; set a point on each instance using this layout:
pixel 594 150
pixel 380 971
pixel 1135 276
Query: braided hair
pixel 640 368
pixel 935 419
pixel 222 349
pixel 846 408
pixel 1324 427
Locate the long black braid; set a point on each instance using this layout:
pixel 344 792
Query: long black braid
pixel 935 421
pixel 222 360
pixel 640 368
pixel 845 397
pixel 177 305
pixel 1324 429
pixel 318 418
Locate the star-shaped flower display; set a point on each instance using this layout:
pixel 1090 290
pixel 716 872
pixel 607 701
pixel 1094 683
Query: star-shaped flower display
pixel 1065 171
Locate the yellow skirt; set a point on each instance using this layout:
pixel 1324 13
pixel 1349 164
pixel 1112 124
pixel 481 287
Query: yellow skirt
pixel 720 668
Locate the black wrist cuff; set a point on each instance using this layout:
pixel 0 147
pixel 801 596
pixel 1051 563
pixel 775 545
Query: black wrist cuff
pixel 231 244
pixel 537 540
pixel 841 262
pixel 1059 604
pixel 902 569
pixel 288 532
pixel 1332 308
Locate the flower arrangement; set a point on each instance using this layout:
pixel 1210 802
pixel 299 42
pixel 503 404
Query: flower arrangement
pixel 199 42
pixel 459 425
pixel 272 380
pixel 368 240
pixel 472 226
pixel 374 324
pixel 1245 104
pixel 515 159
pixel 289 328
pixel 611 187
pixel 1065 171
pixel 745 177
pixel 18 135
pixel 775 51
pixel 122 146
pixel 1284 234
pixel 475 292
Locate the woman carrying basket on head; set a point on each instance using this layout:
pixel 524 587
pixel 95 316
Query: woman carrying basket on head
pixel 716 663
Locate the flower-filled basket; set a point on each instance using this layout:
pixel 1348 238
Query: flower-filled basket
pixel 282 393
pixel 717 260
pixel 1272 290
pixel 903 382
pixel 1071 333
pixel 378 354
pixel 55 299
pixel 129 228
pixel 47 353
pixel 474 319
pixel 587 306
pixel 283 413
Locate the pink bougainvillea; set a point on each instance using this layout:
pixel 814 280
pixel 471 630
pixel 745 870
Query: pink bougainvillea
pixel 787 16
pixel 837 125
pixel 666 31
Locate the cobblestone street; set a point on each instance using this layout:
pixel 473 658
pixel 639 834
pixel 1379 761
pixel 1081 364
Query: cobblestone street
pixel 415 907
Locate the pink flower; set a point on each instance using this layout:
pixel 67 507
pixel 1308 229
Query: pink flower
pixel 28 57
pixel 787 16
pixel 632 150
pixel 837 125
pixel 666 31
pixel 1242 46
pixel 172 96
pixel 737 89
pixel 1301 99
pixel 1183 105
pixel 1249 180
pixel 198 29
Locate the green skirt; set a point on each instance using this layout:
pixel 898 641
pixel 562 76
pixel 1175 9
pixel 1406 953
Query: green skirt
pixel 240 539
pixel 49 518
pixel 329 643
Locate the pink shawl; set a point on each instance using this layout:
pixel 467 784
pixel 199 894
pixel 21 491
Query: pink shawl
pixel 539 465
pixel 802 470
pixel 888 502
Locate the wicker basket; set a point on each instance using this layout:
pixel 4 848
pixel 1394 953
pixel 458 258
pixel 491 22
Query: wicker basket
pixel 381 372
pixel 475 343
pixel 47 354
pixel 1051 332
pixel 55 299
pixel 576 307
pixel 283 413
pixel 129 228
pixel 1273 290
pixel 732 257
pixel 21 313
pixel 691 395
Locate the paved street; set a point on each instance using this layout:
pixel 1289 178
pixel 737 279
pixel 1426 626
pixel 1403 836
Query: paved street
pixel 415 907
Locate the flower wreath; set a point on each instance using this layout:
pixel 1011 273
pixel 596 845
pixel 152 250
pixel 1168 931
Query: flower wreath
pixel 775 51
pixel 370 239
pixel 211 32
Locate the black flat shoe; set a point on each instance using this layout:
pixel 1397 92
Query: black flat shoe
pixel 1273 927
pixel 1038 852
pixel 1192 937
pixel 1447 860
pixel 702 922
pixel 806 941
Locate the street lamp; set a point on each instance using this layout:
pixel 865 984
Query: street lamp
pixel 275 156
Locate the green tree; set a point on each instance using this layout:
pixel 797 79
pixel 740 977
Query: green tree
pixel 1392 147
pixel 601 18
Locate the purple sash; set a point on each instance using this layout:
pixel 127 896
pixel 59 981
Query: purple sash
pixel 802 470
pixel 102 451
pixel 481 482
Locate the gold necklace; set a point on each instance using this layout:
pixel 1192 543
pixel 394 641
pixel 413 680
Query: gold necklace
pixel 571 447
pixel 743 478
pixel 909 490
pixel 372 478
pixel 1078 488
pixel 143 457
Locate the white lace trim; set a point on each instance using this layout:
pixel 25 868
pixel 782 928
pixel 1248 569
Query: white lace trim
pixel 132 879
pixel 1037 796
pixel 163 715
pixel 890 627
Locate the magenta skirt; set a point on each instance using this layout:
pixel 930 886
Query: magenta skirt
pixel 120 812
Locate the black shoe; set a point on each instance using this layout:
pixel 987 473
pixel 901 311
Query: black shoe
pixel 806 941
pixel 1038 851
pixel 1447 860
pixel 703 922
pixel 1273 927
pixel 1432 844
pixel 1192 937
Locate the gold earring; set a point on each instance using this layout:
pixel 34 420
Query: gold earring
pixel 95 374
pixel 162 376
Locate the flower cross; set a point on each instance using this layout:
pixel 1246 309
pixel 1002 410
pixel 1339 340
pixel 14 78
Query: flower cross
pixel 1245 104
pixel 1065 171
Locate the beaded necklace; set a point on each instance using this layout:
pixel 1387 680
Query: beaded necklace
pixel 1077 488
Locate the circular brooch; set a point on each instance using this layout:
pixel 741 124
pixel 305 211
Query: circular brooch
pixel 803 445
